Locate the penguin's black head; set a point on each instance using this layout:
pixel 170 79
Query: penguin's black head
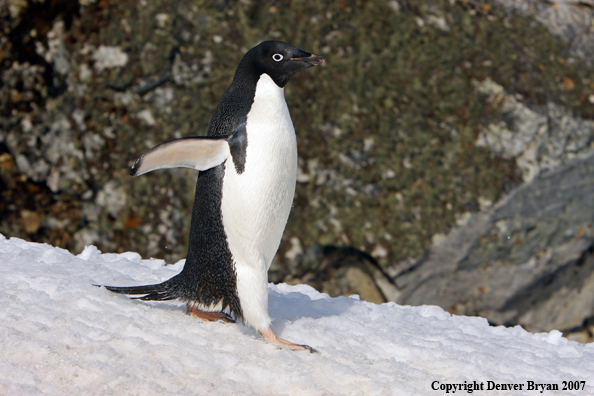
pixel 279 60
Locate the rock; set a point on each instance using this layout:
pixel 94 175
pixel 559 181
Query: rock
pixel 31 221
pixel 337 272
pixel 570 20
pixel 525 261
pixel 107 57
pixel 583 333
pixel 539 138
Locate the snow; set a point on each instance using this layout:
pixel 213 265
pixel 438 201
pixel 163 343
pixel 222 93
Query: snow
pixel 60 335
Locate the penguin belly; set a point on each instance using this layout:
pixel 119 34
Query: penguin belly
pixel 256 203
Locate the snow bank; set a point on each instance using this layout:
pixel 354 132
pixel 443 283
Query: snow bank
pixel 61 335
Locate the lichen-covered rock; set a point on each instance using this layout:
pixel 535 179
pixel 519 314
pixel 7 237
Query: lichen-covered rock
pixel 386 139
pixel 539 138
pixel 569 20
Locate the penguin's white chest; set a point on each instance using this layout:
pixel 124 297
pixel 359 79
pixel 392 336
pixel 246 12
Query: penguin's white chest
pixel 257 202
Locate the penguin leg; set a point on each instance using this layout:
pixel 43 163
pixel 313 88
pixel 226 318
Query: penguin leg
pixel 270 337
pixel 209 316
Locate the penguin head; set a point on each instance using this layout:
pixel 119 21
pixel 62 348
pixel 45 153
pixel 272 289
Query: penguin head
pixel 279 60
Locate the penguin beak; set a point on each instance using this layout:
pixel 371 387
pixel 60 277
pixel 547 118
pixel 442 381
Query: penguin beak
pixel 312 59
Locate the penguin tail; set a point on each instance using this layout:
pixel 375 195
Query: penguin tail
pixel 159 292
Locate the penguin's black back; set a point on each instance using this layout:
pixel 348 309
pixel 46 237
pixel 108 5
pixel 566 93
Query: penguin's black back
pixel 209 274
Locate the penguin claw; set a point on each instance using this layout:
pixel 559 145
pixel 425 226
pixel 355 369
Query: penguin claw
pixel 295 347
pixel 210 316
pixel 270 337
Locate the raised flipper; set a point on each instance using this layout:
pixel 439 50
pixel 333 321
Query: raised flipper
pixel 200 153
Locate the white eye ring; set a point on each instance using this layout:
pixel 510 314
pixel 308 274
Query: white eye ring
pixel 277 57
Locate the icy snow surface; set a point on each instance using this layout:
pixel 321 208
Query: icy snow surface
pixel 59 335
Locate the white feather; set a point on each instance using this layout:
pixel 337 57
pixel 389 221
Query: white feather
pixel 257 202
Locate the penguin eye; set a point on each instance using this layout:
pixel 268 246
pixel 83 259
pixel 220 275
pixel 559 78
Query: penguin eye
pixel 277 57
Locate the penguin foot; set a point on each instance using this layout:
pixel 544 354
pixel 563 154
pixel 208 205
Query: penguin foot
pixel 270 337
pixel 210 316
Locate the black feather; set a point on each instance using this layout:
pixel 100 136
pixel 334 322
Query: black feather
pixel 152 292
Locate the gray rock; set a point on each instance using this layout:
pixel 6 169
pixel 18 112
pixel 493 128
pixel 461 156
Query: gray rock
pixel 539 138
pixel 524 261
pixel 569 20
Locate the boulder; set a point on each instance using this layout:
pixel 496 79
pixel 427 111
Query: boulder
pixel 527 260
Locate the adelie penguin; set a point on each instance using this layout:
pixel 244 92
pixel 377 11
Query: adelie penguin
pixel 246 182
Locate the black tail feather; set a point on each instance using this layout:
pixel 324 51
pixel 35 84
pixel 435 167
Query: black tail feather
pixel 160 292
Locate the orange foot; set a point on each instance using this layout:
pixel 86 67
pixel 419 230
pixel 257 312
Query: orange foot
pixel 270 337
pixel 210 316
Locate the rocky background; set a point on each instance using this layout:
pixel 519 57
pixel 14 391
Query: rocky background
pixel 446 147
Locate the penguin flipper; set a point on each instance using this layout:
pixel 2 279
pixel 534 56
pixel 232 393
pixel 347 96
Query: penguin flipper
pixel 199 153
